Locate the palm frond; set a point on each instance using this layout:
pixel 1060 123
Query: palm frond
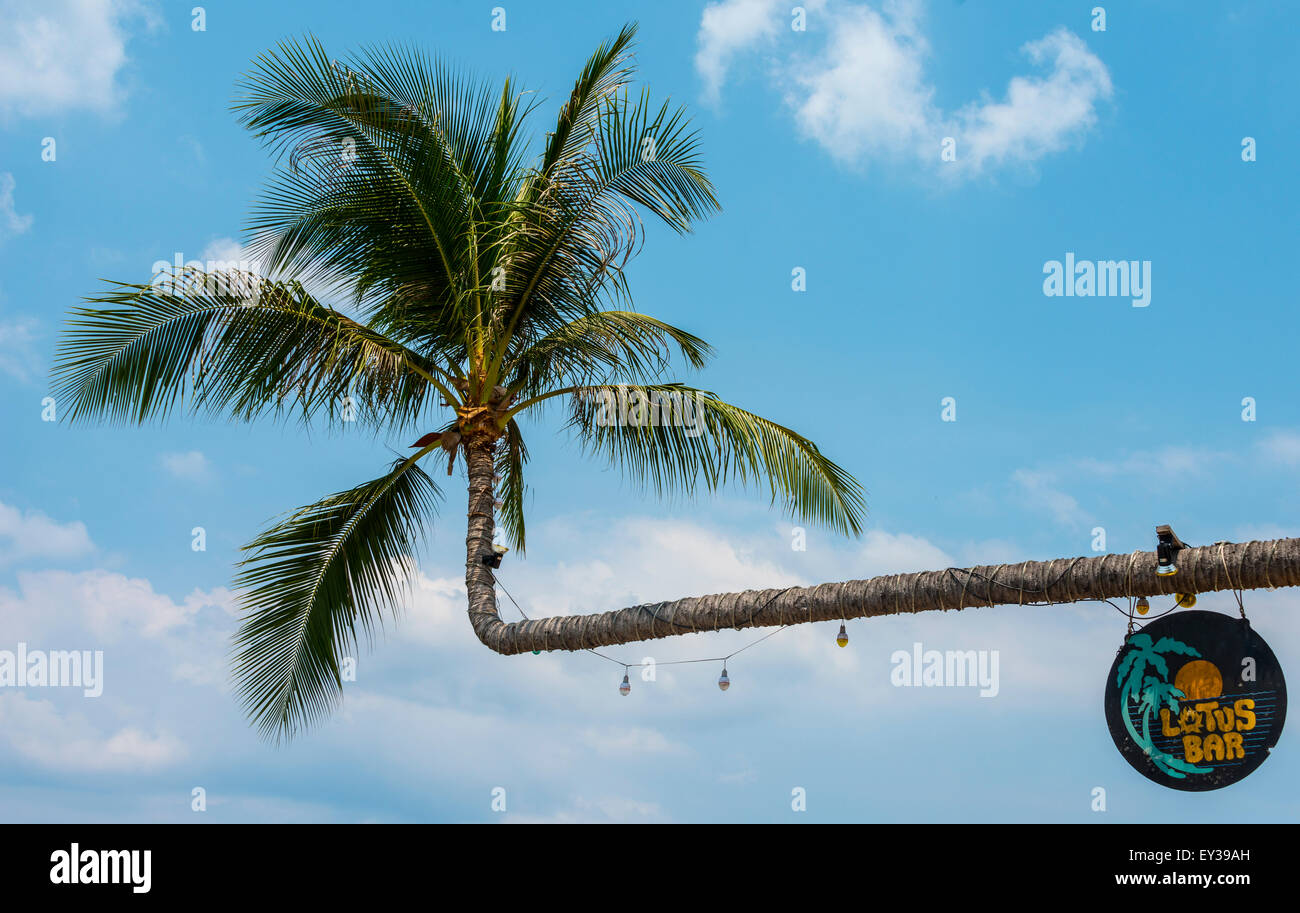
pixel 315 582
pixel 651 157
pixel 512 491
pixel 673 437
pixel 234 344
pixel 385 154
pixel 606 71
pixel 603 347
pixel 568 249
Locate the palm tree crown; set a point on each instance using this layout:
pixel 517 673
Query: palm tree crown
pixel 473 279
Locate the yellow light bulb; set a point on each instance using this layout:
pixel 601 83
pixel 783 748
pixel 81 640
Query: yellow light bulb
pixel 843 637
pixel 1185 600
pixel 1143 606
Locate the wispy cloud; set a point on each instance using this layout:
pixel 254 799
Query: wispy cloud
pixel 191 466
pixel 898 553
pixel 26 535
pixel 1044 487
pixel 18 356
pixel 1162 462
pixel 103 604
pixel 728 28
pixel 1039 488
pixel 11 222
pixel 191 142
pixel 424 713
pixel 1282 447
pixel 64 55
pixel 68 742
pixel 865 95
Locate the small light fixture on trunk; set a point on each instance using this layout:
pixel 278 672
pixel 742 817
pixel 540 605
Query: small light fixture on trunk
pixel 493 559
pixel 1168 545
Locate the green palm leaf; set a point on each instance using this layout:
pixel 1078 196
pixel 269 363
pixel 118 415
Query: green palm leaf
pixel 390 158
pixel 604 346
pixel 717 443
pixel 510 461
pixel 317 580
pixel 606 71
pixel 569 245
pixel 147 348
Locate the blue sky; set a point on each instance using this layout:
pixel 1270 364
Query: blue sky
pixel 924 280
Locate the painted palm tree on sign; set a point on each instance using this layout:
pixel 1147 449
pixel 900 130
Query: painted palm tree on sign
pixel 476 280
pixel 1151 693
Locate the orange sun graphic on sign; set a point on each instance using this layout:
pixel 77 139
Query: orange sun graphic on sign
pixel 1199 680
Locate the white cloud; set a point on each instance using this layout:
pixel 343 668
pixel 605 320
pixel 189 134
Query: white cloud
pixel 1039 489
pixel 33 535
pixel 226 250
pixel 898 553
pixel 225 254
pixel 628 561
pixel 746 775
pixel 11 223
pixel 191 142
pixel 107 606
pixel 866 96
pixel 1164 462
pixel 865 93
pixel 18 356
pixel 37 731
pixel 726 28
pixel 623 741
pixel 1282 447
pixel 192 465
pixel 434 722
pixel 65 54
pixel 1039 115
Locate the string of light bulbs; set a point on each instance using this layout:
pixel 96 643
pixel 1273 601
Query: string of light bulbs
pixel 1139 606
pixel 724 680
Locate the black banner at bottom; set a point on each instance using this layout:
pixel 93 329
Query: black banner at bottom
pixel 337 862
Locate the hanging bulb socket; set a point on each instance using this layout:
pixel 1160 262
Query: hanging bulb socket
pixel 1165 566
pixel 843 637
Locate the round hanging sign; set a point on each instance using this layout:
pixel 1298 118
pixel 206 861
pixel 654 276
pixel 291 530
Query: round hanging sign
pixel 1195 700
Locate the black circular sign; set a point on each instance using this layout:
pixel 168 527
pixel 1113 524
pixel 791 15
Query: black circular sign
pixel 1195 700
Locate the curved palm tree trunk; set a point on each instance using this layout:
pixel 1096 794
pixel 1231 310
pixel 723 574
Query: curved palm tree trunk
pixel 478 540
pixel 1222 566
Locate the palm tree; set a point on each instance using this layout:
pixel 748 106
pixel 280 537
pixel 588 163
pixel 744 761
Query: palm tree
pixel 473 280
